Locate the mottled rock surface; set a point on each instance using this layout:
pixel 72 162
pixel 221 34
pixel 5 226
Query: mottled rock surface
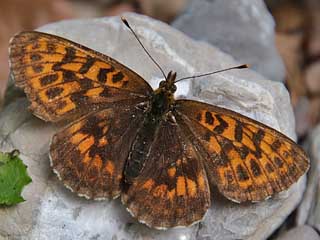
pixel 242 28
pixel 309 209
pixel 303 232
pixel 53 212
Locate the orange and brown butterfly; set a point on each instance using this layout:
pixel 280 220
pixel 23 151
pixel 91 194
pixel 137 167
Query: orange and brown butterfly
pixel 159 154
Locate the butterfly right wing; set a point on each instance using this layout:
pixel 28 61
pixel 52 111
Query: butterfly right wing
pixel 89 154
pixel 245 159
pixel 65 80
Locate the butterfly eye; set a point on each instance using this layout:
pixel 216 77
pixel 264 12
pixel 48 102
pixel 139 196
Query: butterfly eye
pixel 162 84
pixel 173 88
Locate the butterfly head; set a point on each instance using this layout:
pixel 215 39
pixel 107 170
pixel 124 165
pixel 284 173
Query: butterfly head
pixel 168 84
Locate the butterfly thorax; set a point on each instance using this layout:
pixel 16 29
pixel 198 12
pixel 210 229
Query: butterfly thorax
pixel 162 100
pixel 163 97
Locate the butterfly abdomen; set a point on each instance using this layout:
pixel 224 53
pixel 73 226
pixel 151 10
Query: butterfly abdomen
pixel 140 147
pixel 160 104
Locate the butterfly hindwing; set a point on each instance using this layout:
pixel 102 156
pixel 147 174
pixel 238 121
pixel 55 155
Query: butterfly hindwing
pixel 247 160
pixel 89 154
pixel 65 80
pixel 172 190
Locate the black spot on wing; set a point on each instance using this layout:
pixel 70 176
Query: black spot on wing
pixel 69 76
pixel 48 79
pixel 35 57
pixel 256 139
pixel 269 168
pixel 209 118
pixel 243 151
pixel 117 77
pixel 278 162
pixel 87 65
pixel 102 74
pixel 238 131
pixel 242 173
pixel 222 125
pixel 37 68
pixel 54 92
pixel 85 83
pixel 275 145
pixel 79 98
pixel 69 56
pixel 255 168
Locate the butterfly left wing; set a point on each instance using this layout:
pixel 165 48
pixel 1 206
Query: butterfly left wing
pixel 65 80
pixel 172 189
pixel 89 154
pixel 247 160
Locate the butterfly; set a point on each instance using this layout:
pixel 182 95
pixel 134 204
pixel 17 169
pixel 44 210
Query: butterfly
pixel 161 155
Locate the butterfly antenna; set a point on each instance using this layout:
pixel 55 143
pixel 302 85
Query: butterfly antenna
pixel 210 73
pixel 135 35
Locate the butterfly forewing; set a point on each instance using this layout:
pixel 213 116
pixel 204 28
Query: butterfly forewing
pixel 247 160
pixel 172 190
pixel 65 80
pixel 90 153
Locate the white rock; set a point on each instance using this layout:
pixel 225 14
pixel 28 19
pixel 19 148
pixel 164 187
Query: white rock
pixel 242 28
pixel 309 209
pixel 303 232
pixel 53 212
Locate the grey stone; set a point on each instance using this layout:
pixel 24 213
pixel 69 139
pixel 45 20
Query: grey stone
pixel 314 217
pixel 53 212
pixel 242 28
pixel 303 232
pixel 309 209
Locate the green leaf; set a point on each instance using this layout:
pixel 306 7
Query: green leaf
pixel 13 178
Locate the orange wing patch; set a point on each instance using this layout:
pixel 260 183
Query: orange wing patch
pixel 247 160
pixel 64 80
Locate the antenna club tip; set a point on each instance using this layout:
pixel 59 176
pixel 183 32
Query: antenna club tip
pixel 124 20
pixel 244 66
